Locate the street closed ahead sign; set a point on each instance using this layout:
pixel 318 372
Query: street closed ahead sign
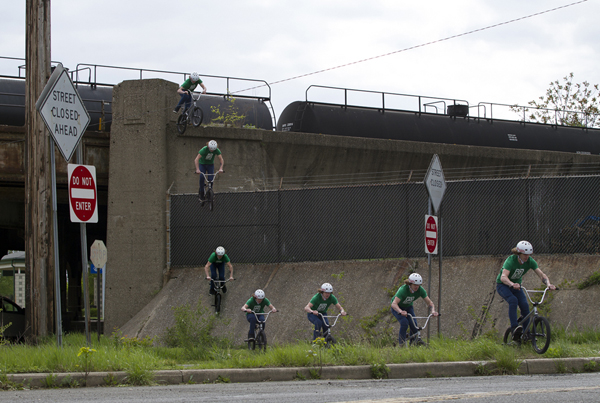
pixel 63 111
pixel 431 234
pixel 82 193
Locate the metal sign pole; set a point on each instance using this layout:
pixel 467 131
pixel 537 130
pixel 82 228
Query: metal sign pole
pixel 429 204
pixel 57 298
pixel 84 264
pixel 440 226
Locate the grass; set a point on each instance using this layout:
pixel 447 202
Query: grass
pixel 140 359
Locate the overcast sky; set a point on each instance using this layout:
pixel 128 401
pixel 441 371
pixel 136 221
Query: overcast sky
pixel 274 40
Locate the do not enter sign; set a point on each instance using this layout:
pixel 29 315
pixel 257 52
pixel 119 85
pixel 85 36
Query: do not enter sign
pixel 431 234
pixel 82 193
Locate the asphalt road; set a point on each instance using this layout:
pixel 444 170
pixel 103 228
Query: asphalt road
pixel 531 389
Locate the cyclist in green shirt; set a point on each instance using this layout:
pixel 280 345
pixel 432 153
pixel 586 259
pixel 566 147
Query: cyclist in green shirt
pixel 184 90
pixel 216 262
pixel 508 283
pixel 256 304
pixel 205 164
pixel 402 305
pixel 319 304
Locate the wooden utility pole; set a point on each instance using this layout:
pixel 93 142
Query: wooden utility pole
pixel 39 247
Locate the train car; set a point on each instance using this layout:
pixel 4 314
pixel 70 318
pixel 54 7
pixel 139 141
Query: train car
pixel 453 126
pixel 98 101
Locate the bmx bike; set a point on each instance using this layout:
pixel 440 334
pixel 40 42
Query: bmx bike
pixel 209 194
pixel 218 286
pixel 192 115
pixel 326 334
pixel 415 339
pixel 260 337
pixel 537 330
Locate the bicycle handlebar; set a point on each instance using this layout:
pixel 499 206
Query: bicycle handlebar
pixel 330 316
pixel 412 318
pixel 528 292
pixel 219 281
pixel 266 315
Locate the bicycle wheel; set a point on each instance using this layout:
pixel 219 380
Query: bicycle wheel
pixel 210 199
pixel 508 339
pixel 540 336
pixel 329 340
pixel 182 123
pixel 261 341
pixel 197 116
pixel 218 302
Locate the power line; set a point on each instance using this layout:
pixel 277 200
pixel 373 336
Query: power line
pixel 421 45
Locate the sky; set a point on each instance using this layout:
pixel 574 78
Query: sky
pixel 273 41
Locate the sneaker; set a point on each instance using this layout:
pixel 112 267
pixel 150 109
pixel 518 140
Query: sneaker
pixel 249 339
pixel 224 289
pixel 175 111
pixel 527 336
pixel 211 292
pixel 517 333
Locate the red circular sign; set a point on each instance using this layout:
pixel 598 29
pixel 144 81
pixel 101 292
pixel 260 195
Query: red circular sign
pixel 82 193
pixel 431 234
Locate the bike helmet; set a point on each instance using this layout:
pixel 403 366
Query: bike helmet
pixel 220 251
pixel 212 145
pixel 194 77
pixel 326 287
pixel 415 278
pixel 260 294
pixel 525 247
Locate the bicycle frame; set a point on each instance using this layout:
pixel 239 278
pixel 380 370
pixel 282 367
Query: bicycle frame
pixel 419 328
pixel 328 327
pixel 260 323
pixel 534 311
pixel 218 284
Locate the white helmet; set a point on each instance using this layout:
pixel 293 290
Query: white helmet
pixel 415 278
pixel 212 145
pixel 195 77
pixel 525 248
pixel 220 251
pixel 260 294
pixel 326 287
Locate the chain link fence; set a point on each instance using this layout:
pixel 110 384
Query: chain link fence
pixel 478 217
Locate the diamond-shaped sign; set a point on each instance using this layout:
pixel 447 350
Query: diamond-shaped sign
pixel 63 112
pixel 435 182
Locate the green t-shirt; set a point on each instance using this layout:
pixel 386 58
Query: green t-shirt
pixel 321 305
pixel 407 297
pixel 516 269
pixel 189 85
pixel 256 307
pixel 218 260
pixel 207 157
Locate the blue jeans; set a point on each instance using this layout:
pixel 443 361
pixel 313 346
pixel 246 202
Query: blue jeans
pixel 208 170
pixel 319 325
pixel 514 298
pixel 185 98
pixel 405 323
pixel 213 274
pixel 252 319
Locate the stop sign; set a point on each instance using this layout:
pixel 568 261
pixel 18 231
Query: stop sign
pixel 431 234
pixel 82 193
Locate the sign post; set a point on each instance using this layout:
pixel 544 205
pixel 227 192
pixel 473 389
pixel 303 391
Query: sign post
pixel 98 256
pixel 436 187
pixel 66 119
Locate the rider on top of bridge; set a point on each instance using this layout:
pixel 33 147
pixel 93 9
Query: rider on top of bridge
pixel 188 85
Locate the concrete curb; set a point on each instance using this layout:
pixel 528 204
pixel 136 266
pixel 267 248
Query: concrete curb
pixel 243 375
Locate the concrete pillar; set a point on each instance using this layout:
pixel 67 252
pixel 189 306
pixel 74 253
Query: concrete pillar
pixel 136 226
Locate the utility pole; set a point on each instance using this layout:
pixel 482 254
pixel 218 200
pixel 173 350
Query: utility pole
pixel 39 246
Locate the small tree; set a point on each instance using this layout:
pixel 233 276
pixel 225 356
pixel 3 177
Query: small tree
pixel 566 104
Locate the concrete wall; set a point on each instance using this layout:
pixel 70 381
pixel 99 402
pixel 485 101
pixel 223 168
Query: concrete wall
pixel 364 287
pixel 148 157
